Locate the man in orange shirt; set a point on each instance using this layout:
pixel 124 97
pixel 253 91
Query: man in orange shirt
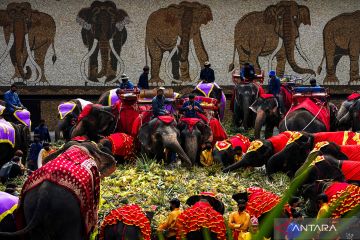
pixel 169 224
pixel 239 221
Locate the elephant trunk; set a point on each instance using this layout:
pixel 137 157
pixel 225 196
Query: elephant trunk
pixel 246 111
pixel 20 56
pixel 104 51
pixel 172 143
pixel 191 147
pixel 259 122
pixel 289 43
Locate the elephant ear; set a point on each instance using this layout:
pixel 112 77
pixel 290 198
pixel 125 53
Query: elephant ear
pixel 304 15
pixel 122 19
pixel 4 18
pixel 270 15
pixel 84 18
pixel 206 133
pixel 145 135
pixel 54 155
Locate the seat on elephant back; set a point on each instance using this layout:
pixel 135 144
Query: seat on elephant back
pixel 22 116
pixel 351 97
pixel 8 204
pixel 7 133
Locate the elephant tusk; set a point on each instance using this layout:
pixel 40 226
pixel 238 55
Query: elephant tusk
pixel 171 54
pixel 32 59
pixel 86 57
pixel 8 47
pixel 279 46
pixel 120 61
pixel 302 53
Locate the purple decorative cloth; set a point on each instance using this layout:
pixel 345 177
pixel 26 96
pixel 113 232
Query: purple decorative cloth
pixel 66 108
pixel 23 116
pixel 113 98
pixel 7 132
pixel 206 89
pixel 8 203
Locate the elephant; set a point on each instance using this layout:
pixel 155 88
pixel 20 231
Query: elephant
pixel 104 28
pixel 193 134
pixel 341 37
pixel 26 30
pixel 58 209
pixel 159 134
pixel 68 114
pixel 244 96
pixel 165 27
pixel 108 98
pixel 267 113
pixel 9 204
pixel 260 151
pixel 349 114
pixel 127 228
pixel 274 32
pixel 93 121
pixel 21 142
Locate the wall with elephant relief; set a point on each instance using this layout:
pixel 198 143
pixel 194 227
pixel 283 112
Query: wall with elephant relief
pixel 191 33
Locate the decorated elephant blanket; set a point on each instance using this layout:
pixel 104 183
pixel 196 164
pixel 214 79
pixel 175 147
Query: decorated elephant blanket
pixel 130 215
pixel 217 129
pixel 353 96
pixel 65 108
pixel 200 215
pixel 279 141
pixel 7 132
pixel 8 204
pixel 319 110
pixel 122 144
pixel 113 97
pixel 351 151
pixel 287 96
pixel 128 113
pixel 143 117
pixel 76 171
pixel 340 138
pixel 343 197
pixel 351 170
pixel 23 116
pixel 234 141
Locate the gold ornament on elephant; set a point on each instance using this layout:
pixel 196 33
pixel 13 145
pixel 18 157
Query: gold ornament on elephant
pixel 255 145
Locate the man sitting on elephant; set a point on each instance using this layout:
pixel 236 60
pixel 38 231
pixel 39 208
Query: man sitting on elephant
pixel 126 83
pixel 247 72
pixel 207 74
pixel 12 102
pixel 192 107
pixel 158 103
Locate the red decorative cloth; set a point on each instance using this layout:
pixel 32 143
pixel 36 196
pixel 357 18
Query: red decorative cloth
pixel 76 171
pixel 122 144
pixel 217 129
pixel 80 138
pixel 260 201
pixel 351 170
pixel 190 122
pixel 279 141
pixel 344 197
pixel 143 117
pixel 130 215
pixel 200 215
pixel 351 151
pixel 287 96
pixel 166 119
pixel 128 113
pixel 319 110
pixel 266 95
pixel 340 138
pixel 85 112
pixel 237 140
pixel 353 96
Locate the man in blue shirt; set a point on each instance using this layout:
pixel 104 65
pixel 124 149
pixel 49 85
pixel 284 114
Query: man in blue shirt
pixel 247 72
pixel 34 151
pixel 125 83
pixel 158 103
pixel 43 132
pixel 12 101
pixel 144 79
pixel 207 74
pixel 191 107
pixel 274 84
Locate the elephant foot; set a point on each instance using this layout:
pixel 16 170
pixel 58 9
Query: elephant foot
pixel 185 79
pixel 110 78
pixel 331 79
pixel 156 80
pixel 93 79
pixel 354 79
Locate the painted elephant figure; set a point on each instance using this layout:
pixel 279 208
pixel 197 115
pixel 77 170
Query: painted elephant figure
pixel 103 28
pixel 67 204
pixel 13 137
pixel 267 113
pixel 260 151
pixel 26 30
pixel 163 29
pixel 349 113
pixel 276 34
pixel 160 134
pixel 193 134
pixel 341 37
pixel 8 204
pixel 68 114
pixel 93 121
pixel 126 222
pixel 244 96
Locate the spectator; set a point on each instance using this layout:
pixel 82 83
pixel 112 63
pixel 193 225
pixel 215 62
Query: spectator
pixel 169 225
pixel 43 132
pixel 274 84
pixel 239 221
pixel 12 103
pixel 322 200
pixel 126 84
pixel 192 107
pixel 247 72
pixel 11 170
pixel 254 229
pixel 206 156
pixel 293 230
pixel 158 103
pixel 207 74
pixel 44 152
pixel 34 151
pixel 144 79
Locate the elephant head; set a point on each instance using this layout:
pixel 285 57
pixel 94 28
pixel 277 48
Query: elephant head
pixel 245 95
pixel 267 112
pixel 155 136
pixel 104 160
pixel 17 19
pixel 286 17
pixel 193 136
pixel 348 115
pixel 100 23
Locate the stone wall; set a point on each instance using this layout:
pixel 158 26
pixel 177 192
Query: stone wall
pixel 193 32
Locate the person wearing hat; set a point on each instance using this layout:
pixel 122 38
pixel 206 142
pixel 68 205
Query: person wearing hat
pixel 158 103
pixel 169 225
pixel 144 79
pixel 12 169
pixel 247 72
pixel 126 84
pixel 45 151
pixel 273 84
pixel 239 221
pixel 192 107
pixel 12 103
pixel 207 74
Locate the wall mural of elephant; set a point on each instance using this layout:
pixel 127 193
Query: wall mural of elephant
pixel 341 37
pixel 104 29
pixel 26 30
pixel 163 29
pixel 273 32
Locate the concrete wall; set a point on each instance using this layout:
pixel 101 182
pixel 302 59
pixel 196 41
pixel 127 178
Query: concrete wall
pixel 166 25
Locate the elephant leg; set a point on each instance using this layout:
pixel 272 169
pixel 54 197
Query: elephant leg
pixel 354 61
pixel 184 71
pixel 269 129
pixel 330 52
pixel 40 59
pixel 93 65
pixel 243 56
pixel 200 50
pixel 156 54
pixel 281 61
pixel 175 65
pixel 22 63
